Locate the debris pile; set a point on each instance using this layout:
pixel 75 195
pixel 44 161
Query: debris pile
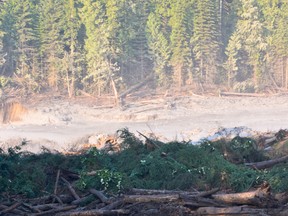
pixel 237 176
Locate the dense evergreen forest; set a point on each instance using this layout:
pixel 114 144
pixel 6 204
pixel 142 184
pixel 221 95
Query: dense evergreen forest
pixel 93 45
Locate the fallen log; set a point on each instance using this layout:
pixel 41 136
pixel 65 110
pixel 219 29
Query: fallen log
pixel 260 197
pixel 133 88
pixel 96 212
pixel 234 210
pixel 16 211
pixel 32 208
pixel 55 197
pixel 10 208
pixel 207 193
pixel 82 199
pixel 100 195
pixel 57 210
pixel 71 189
pixel 269 141
pixel 113 205
pixel 149 142
pixel 201 202
pixel 240 94
pixel 268 163
pixel 57 181
pixel 45 207
pixel 151 198
pixel 155 192
pixel 181 193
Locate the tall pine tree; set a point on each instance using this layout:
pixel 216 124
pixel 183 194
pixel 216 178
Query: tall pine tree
pixel 51 39
pixel 100 19
pixel 275 16
pixel 158 40
pixel 181 28
pixel 206 40
pixel 250 45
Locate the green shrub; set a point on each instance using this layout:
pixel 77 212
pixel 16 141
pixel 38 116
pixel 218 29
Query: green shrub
pixel 170 166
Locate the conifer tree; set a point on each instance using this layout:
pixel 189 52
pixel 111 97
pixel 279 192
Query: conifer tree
pixel 251 37
pixel 275 16
pixel 206 39
pixel 134 57
pixel 158 41
pixel 180 23
pixel 141 64
pixel 50 32
pixel 8 18
pixel 27 45
pixel 73 60
pixel 100 19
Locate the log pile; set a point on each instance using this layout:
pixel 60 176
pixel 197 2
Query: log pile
pixel 149 202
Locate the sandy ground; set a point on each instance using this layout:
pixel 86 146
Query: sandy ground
pixel 62 124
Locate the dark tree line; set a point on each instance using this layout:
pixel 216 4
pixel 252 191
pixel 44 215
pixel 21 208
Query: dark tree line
pixel 71 45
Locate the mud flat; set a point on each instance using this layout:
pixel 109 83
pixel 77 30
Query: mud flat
pixel 62 124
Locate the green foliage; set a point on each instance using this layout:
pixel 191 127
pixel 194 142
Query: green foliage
pixel 206 40
pixel 245 86
pixel 160 46
pixel 103 179
pixel 71 45
pixel 181 30
pixel 276 176
pixel 4 81
pixel 248 40
pixel 171 166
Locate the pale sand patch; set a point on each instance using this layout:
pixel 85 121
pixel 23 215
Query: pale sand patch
pixel 60 124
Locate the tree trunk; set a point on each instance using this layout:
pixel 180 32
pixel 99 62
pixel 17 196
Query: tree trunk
pixel 285 71
pixel 268 163
pixel 260 197
pixel 151 198
pixel 135 87
pixel 116 95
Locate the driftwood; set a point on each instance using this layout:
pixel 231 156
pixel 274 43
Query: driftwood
pixel 113 205
pixel 151 202
pixel 71 189
pixel 240 94
pixel 100 195
pixel 149 142
pixel 14 211
pixel 45 207
pixel 155 192
pixel 181 193
pixel 96 212
pixel 269 141
pixel 151 198
pixel 207 193
pixel 54 211
pixel 234 210
pixel 55 197
pixel 11 208
pixel 161 202
pixel 260 197
pixel 82 199
pixel 32 208
pixel 268 163
pixel 56 182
